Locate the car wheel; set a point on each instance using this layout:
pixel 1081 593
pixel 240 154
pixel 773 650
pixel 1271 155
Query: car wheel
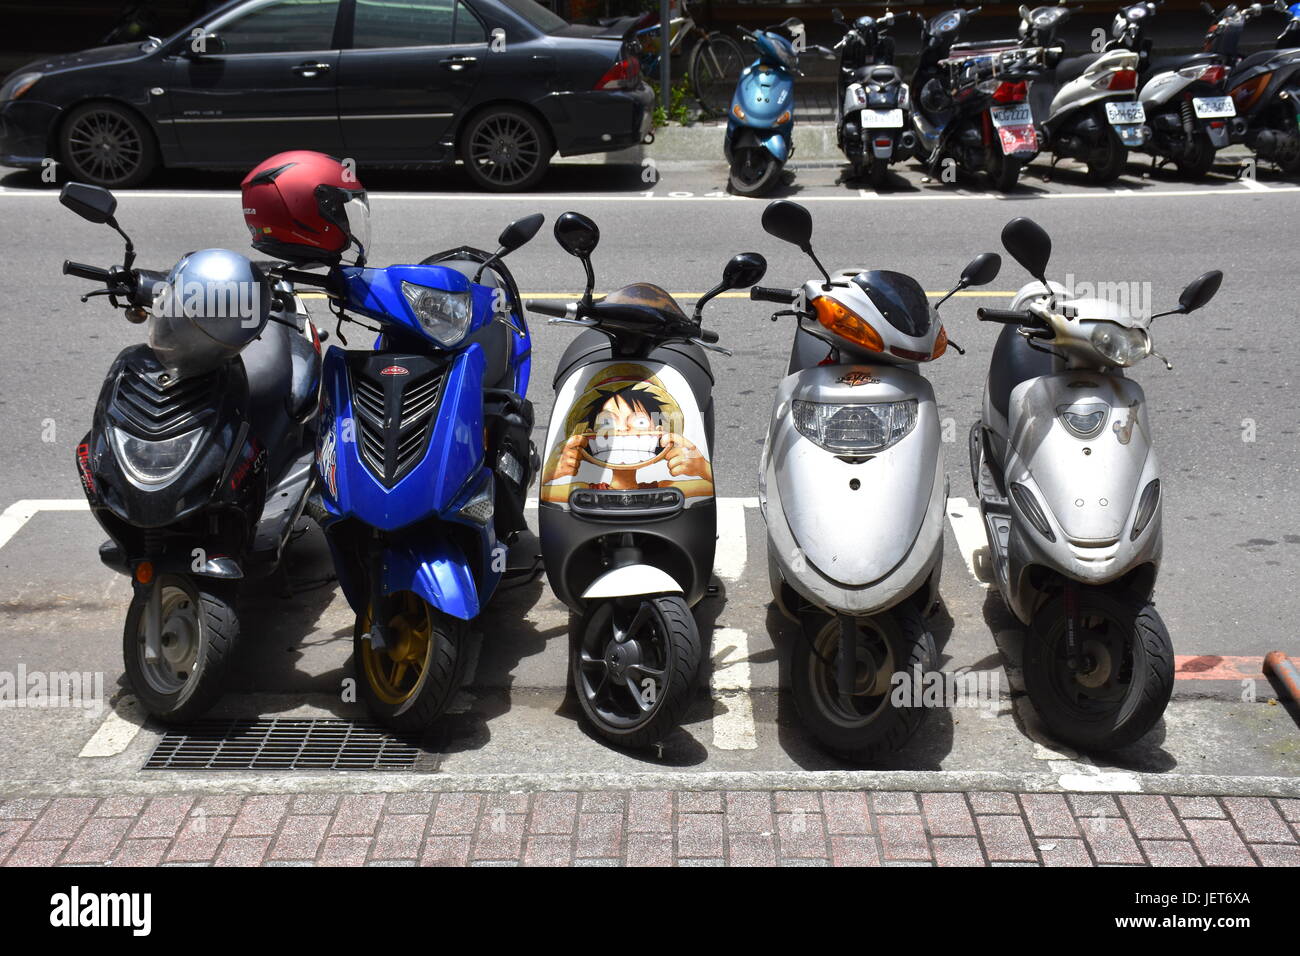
pixel 505 148
pixel 107 145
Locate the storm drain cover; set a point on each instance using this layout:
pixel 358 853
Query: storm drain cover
pixel 281 744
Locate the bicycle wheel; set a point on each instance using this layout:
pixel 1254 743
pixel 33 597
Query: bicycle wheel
pixel 714 67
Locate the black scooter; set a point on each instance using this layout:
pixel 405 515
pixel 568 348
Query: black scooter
pixel 1265 87
pixel 628 518
pixel 198 479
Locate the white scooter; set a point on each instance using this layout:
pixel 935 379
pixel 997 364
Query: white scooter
pixel 852 488
pixel 1069 490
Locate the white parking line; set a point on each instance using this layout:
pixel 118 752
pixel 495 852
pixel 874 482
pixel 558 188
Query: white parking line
pixel 117 731
pixel 733 709
pixel 20 512
pixel 733 547
pixel 968 529
pixel 1251 183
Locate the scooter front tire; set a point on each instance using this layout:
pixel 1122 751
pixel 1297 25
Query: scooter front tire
pixel 759 185
pixel 1075 708
pixel 836 721
pixel 200 631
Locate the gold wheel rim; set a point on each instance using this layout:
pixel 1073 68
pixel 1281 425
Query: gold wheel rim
pixel 396 673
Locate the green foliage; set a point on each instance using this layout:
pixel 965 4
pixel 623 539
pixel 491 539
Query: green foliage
pixel 679 108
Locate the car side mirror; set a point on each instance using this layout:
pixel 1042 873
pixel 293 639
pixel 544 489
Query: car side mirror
pixel 1029 244
pixel 1200 291
pixel 204 44
pixel 92 203
pixel 520 232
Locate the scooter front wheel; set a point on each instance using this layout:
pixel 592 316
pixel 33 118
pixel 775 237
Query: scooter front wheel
pixel 198 632
pixel 754 172
pixel 869 721
pixel 1107 164
pixel 409 683
pixel 1121 684
pixel 633 662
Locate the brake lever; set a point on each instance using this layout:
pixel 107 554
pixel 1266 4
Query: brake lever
pixel 711 347
pixel 585 323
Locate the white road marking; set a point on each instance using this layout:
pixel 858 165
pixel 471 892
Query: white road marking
pixel 571 198
pixel 20 512
pixel 1255 184
pixel 968 529
pixel 117 731
pixel 733 709
pixel 733 548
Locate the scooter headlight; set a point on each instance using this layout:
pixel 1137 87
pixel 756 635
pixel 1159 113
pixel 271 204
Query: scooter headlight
pixel 855 429
pixel 443 315
pixel 1120 346
pixel 154 464
pixel 1084 421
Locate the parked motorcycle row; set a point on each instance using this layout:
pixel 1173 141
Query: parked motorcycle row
pixel 991 107
pixel 415 457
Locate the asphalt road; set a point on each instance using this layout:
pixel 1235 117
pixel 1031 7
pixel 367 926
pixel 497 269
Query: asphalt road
pixel 1224 421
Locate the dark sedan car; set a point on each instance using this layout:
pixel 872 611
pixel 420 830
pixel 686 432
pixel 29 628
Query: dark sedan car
pixel 500 84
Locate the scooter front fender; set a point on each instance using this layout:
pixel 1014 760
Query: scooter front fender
pixel 631 580
pixel 437 571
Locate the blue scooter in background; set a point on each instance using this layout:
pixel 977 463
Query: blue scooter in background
pixel 760 128
pixel 425 459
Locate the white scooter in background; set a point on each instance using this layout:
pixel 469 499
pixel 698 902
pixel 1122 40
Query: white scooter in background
pixel 1070 494
pixel 853 490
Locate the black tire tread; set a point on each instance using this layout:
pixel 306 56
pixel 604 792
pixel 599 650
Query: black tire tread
pixel 446 670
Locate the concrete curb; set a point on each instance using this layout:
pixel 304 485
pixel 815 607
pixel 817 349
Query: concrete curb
pixel 919 781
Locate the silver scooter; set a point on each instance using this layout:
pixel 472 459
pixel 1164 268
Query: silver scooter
pixel 852 488
pixel 1069 490
pixel 1087 106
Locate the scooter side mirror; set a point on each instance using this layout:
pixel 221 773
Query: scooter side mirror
pixel 520 232
pixel 576 234
pixel 837 17
pixel 92 203
pixel 789 222
pixel 1025 13
pixel 743 270
pixel 1200 291
pixel 1029 244
pixel 981 270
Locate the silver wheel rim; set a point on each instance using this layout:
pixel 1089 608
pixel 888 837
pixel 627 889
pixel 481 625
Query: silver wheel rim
pixel 876 667
pixel 505 150
pixel 105 146
pixel 181 639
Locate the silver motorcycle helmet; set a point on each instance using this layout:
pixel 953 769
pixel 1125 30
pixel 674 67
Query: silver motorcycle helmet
pixel 212 304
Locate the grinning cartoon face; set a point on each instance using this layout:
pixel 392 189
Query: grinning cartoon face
pixel 626 427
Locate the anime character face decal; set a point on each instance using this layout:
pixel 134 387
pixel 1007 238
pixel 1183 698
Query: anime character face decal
pixel 626 430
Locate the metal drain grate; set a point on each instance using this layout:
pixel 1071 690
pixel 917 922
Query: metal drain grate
pixel 281 744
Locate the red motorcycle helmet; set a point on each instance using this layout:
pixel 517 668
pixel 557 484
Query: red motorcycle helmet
pixel 305 207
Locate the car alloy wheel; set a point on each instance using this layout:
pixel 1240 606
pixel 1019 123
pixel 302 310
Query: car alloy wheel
pixel 104 146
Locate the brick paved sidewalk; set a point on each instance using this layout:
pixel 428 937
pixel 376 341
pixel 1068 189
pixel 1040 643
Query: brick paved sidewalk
pixel 660 828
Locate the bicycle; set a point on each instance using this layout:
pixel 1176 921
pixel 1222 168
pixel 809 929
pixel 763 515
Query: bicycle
pixel 712 67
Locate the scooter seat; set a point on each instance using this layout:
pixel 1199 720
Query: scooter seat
pixel 878 73
pixel 1014 362
pixel 1164 64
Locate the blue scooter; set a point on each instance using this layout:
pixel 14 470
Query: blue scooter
pixel 425 459
pixel 760 128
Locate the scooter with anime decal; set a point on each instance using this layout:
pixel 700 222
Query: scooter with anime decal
pixel 628 518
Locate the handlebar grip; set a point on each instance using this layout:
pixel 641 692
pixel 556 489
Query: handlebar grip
pixel 1006 316
pixel 708 335
pixel 546 308
pixel 83 271
pixel 781 296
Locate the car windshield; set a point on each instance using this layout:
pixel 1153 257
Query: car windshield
pixel 537 15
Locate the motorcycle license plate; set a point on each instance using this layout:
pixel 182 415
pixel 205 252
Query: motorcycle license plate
pixel 1213 107
pixel 882 119
pixel 1126 113
pixel 1011 115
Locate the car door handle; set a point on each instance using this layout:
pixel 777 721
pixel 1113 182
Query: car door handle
pixel 311 69
pixel 458 63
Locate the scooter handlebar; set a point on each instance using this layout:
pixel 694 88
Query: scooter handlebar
pixel 1005 316
pixel 83 271
pixel 547 308
pixel 781 296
